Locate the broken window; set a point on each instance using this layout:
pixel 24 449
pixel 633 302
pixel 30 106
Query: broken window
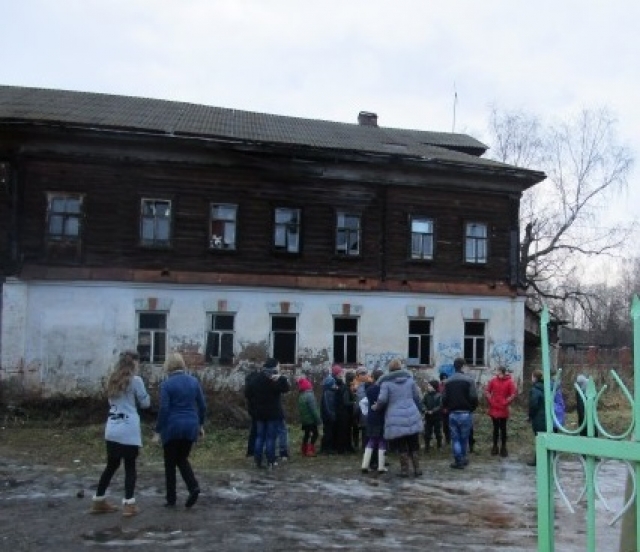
pixel 222 234
pixel 284 338
pixel 64 217
pixel 220 337
pixel 422 238
pixel 474 343
pixel 152 337
pixel 420 342
pixel 347 234
pixel 155 222
pixel 475 249
pixel 286 236
pixel 345 339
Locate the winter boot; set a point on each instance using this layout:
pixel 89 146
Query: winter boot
pixel 494 450
pixel 503 451
pixel 404 464
pixel 439 444
pixel 99 505
pixel 382 467
pixel 304 449
pixel 366 460
pixel 129 507
pixel 415 460
pixel 311 450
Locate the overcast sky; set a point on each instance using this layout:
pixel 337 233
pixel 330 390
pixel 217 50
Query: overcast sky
pixel 330 59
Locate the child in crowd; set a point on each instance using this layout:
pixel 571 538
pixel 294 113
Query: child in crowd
pixel 309 417
pixel 375 427
pixel 500 392
pixel 432 402
pixel 126 391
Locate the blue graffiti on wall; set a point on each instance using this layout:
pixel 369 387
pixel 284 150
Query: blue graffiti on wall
pixel 446 353
pixel 380 360
pixel 505 354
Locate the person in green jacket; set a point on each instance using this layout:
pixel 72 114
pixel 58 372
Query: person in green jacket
pixel 309 417
pixel 537 415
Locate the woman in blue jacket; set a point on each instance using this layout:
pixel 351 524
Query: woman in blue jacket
pixel 180 422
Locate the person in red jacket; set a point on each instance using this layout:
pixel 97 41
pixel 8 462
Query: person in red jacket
pixel 500 392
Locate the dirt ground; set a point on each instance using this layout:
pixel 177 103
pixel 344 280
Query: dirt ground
pixel 306 504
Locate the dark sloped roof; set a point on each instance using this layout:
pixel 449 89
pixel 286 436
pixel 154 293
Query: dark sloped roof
pixel 105 111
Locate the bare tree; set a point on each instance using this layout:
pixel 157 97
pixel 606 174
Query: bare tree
pixel 561 218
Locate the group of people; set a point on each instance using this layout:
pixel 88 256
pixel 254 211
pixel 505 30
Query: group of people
pixel 376 412
pixel 179 424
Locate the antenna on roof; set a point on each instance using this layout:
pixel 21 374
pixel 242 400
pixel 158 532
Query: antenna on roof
pixel 455 102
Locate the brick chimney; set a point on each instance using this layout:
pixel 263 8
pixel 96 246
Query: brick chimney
pixel 365 118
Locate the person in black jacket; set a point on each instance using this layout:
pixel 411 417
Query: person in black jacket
pixel 460 398
pixel 264 393
pixel 251 441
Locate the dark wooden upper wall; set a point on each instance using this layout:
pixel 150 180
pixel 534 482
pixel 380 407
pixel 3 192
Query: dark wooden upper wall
pixel 115 178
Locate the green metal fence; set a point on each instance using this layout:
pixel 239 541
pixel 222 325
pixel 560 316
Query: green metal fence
pixel 591 450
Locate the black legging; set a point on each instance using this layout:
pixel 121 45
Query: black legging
pixel 176 454
pixel 310 434
pixel 117 452
pixel 499 431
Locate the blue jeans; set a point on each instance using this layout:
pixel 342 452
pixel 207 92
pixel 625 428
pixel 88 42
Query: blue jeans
pixel 460 424
pixel 283 438
pixel 266 431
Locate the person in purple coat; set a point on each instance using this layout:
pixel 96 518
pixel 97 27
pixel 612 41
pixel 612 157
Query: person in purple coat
pixel 180 423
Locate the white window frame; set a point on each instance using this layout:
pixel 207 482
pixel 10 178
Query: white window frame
pixel 64 211
pixel 422 238
pixel 344 339
pixel 471 344
pixel 222 334
pixel 276 334
pixel 286 229
pixel 222 226
pixel 476 243
pixel 419 338
pixel 348 234
pixel 154 336
pixel 153 220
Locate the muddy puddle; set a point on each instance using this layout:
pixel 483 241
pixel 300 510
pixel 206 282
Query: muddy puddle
pixel 301 506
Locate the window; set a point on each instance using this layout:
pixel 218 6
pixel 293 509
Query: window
pixel 420 342
pixel 475 249
pixel 286 235
pixel 348 234
pixel 152 336
pixel 421 238
pixel 155 222
pixel 222 233
pixel 345 340
pixel 474 343
pixel 220 335
pixel 64 215
pixel 284 338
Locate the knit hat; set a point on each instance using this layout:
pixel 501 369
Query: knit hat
pixel 336 370
pixel 304 384
pixel 271 363
pixel 434 383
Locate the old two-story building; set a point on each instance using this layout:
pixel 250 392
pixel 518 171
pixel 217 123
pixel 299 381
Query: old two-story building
pixel 232 236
